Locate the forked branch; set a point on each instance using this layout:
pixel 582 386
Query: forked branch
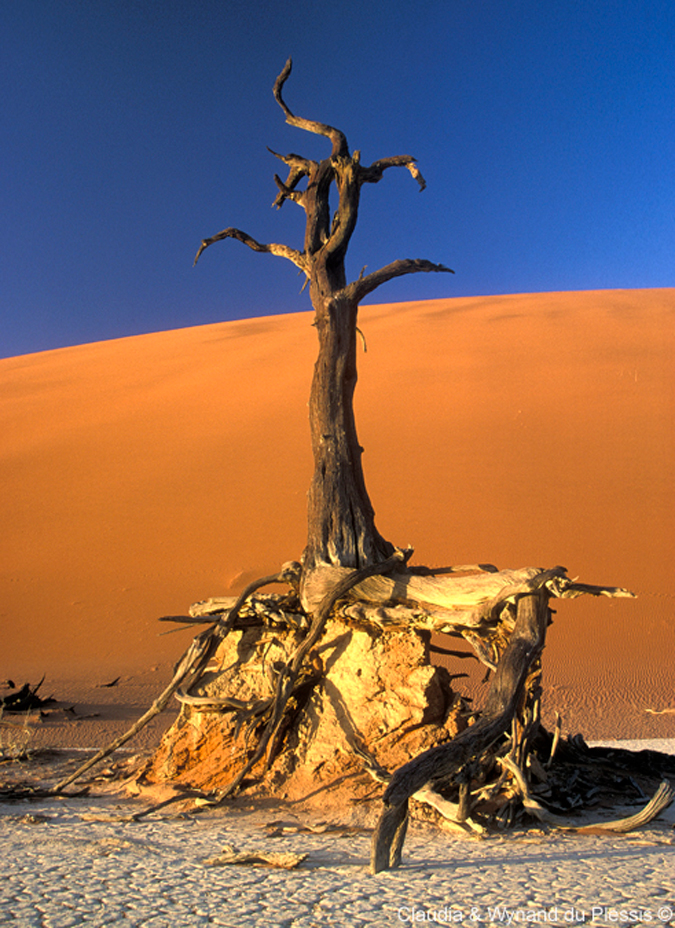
pixel 298 168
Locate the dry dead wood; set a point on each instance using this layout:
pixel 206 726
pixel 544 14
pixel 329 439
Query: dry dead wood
pixel 25 699
pixel 437 765
pixel 446 603
pixel 508 735
pixel 346 561
pixel 230 856
pixel 660 801
pixel 451 811
pixel 492 593
pixel 341 519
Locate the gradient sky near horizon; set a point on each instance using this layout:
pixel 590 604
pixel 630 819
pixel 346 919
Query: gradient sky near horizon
pixel 132 129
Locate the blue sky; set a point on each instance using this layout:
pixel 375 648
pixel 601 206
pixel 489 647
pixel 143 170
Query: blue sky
pixel 131 129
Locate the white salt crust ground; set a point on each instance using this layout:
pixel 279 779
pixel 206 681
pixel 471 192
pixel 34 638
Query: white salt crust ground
pixel 71 862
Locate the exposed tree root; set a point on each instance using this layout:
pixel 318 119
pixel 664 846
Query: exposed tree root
pixel 290 673
pixel 501 767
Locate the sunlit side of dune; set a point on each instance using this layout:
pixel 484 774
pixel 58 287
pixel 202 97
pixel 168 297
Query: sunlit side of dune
pixel 143 474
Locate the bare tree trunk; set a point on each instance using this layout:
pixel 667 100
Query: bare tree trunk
pixel 341 522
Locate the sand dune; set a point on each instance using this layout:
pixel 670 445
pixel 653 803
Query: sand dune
pixel 146 473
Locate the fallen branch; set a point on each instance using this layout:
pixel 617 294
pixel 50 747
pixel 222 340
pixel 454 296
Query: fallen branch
pixel 25 699
pixel 661 799
pixel 230 856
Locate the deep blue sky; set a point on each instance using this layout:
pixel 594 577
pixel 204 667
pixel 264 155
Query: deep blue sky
pixel 131 129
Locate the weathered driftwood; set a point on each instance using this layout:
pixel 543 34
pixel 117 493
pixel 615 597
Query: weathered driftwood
pixel 513 703
pixel 216 703
pixel 417 598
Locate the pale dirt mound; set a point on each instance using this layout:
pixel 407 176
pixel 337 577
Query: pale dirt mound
pixel 146 473
pixel 377 690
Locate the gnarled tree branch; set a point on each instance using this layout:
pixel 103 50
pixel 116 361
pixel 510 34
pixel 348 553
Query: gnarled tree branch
pixel 374 173
pixel 298 168
pixel 361 287
pixel 435 765
pixel 338 139
pixel 282 251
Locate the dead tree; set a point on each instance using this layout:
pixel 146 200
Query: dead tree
pixel 341 521
pixel 295 693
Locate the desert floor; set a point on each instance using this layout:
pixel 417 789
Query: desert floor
pixel 86 861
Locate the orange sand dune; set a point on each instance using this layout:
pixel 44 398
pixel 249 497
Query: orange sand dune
pixel 146 473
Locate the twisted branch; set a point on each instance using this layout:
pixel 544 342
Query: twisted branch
pixel 282 251
pixel 374 173
pixel 298 168
pixel 338 139
pixel 436 764
pixel 323 243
